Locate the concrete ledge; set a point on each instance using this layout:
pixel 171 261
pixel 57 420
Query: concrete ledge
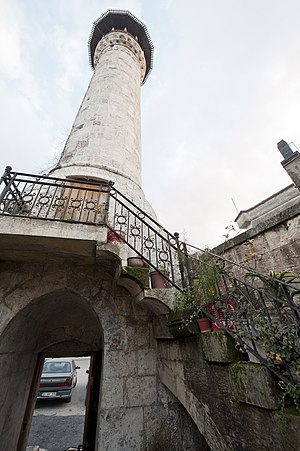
pixel 277 202
pixel 160 328
pixel 219 347
pixel 159 300
pixel 27 239
pixel 253 384
pixel 14 225
pixel 133 284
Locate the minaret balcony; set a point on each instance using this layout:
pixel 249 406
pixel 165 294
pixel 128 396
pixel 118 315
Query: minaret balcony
pixel 47 219
pixel 50 218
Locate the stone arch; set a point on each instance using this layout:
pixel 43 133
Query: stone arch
pixel 171 377
pixel 59 323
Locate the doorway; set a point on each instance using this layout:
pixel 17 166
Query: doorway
pixel 59 324
pixel 60 423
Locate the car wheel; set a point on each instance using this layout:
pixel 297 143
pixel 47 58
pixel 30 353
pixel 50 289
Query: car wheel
pixel 68 399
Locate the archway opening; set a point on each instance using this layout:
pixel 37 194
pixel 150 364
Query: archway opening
pixel 59 324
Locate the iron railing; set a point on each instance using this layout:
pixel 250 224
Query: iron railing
pixel 94 203
pixel 261 312
pixel 147 238
pixel 54 199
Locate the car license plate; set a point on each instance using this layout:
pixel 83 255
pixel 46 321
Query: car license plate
pixel 49 394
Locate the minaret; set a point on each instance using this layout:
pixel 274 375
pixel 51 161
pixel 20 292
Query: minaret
pixel 105 140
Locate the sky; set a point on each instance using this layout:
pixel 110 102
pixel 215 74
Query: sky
pixel 224 89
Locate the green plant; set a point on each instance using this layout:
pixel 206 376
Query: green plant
pixel 280 342
pixel 293 392
pixel 230 232
pixel 185 302
pixel 272 282
pixel 208 273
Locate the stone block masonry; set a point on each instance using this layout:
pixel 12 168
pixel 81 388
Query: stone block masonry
pixel 236 406
pixel 80 307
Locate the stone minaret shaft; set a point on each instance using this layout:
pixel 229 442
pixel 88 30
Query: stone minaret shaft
pixel 105 140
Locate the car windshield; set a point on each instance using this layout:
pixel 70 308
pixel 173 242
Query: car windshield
pixel 57 367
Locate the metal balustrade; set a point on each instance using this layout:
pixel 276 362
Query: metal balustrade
pixel 54 199
pixel 261 312
pixel 250 306
pixel 146 237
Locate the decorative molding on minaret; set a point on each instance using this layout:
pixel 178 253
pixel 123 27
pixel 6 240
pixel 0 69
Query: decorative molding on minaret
pixel 125 39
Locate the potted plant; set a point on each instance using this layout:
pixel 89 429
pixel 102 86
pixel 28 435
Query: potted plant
pixel 207 279
pixel 204 324
pixel 159 279
pixel 137 262
pixel 182 319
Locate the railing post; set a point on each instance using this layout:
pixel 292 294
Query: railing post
pixel 180 260
pixel 188 266
pixel 106 208
pixel 6 174
pixel 8 180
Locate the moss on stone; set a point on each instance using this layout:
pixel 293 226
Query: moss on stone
pixel 220 347
pixel 140 274
pixel 288 424
pixel 253 384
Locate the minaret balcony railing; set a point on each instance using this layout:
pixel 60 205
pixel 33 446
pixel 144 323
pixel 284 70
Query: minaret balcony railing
pixel 97 204
pixel 54 199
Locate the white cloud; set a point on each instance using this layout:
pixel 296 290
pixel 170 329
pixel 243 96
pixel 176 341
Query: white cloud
pixel 224 89
pixel 11 26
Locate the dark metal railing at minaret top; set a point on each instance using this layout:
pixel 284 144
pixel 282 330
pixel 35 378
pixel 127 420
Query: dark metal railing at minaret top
pixel 260 311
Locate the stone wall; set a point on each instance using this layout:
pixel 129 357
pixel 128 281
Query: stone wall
pixel 272 245
pixel 235 404
pixel 43 305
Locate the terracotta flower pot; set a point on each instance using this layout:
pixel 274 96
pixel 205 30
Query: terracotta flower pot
pixel 137 262
pixel 158 280
pixel 113 238
pixel 204 325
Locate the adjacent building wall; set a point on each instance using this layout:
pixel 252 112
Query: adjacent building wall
pixel 273 245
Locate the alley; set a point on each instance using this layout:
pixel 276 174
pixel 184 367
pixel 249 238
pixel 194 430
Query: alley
pixel 57 425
